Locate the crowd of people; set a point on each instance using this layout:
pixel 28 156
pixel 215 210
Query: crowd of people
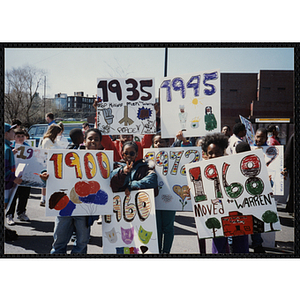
pixel 131 172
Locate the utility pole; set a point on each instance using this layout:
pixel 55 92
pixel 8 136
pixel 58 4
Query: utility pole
pixel 44 96
pixel 166 62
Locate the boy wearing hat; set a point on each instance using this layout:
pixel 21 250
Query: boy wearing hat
pixel 23 192
pixel 9 160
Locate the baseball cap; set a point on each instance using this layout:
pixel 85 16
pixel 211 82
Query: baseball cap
pixel 9 127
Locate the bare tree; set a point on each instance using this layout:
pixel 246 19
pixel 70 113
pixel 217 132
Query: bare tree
pixel 22 99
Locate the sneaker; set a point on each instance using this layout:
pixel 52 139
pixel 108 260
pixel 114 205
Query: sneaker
pixel 43 203
pixel 99 221
pixel 10 220
pixel 23 217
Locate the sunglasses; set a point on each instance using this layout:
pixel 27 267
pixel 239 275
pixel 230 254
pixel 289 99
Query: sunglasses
pixel 131 153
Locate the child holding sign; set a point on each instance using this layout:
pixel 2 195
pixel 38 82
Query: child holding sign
pixel 23 192
pixel 214 146
pixel 66 225
pixel 164 218
pixel 9 160
pixel 131 174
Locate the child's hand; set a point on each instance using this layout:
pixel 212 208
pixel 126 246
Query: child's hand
pixel 284 173
pixel 186 193
pixel 127 192
pixel 18 180
pixel 14 151
pixel 128 167
pixel 44 176
pixel 180 136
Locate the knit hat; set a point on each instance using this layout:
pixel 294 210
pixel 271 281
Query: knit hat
pixel 9 127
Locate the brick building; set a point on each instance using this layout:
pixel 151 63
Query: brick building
pixel 266 95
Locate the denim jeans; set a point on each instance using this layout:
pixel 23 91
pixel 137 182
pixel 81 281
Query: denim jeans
pixel 220 245
pixel 256 240
pixel 64 228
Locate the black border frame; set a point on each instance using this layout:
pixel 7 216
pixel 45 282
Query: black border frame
pixel 296 47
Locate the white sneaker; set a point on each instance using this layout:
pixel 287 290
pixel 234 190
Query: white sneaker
pixel 23 217
pixel 99 221
pixel 42 203
pixel 10 220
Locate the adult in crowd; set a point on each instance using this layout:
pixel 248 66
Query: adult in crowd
pixel 239 131
pixel 272 135
pixel 289 170
pixel 226 130
pixel 50 118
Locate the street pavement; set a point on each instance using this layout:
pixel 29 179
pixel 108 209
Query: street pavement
pixel 36 236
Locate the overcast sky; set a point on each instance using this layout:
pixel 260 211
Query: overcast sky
pixel 72 70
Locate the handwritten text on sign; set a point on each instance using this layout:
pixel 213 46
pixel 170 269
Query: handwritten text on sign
pixel 231 195
pixel 274 156
pixel 79 182
pixel 170 169
pixel 190 103
pixel 131 229
pixel 35 160
pixel 126 105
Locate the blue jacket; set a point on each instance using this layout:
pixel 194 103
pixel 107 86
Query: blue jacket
pixel 142 176
pixel 10 167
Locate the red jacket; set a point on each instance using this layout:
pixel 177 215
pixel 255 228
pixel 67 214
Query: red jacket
pixel 116 146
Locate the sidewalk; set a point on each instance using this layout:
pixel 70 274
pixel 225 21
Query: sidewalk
pixel 36 236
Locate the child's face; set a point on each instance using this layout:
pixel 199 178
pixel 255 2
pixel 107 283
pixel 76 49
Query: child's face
pixel 129 154
pixel 19 138
pixel 10 135
pixel 92 141
pixel 158 142
pixel 260 138
pixel 214 151
pixel 225 131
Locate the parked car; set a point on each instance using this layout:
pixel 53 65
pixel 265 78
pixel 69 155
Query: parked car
pixel 37 131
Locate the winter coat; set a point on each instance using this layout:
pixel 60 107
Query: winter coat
pixel 141 176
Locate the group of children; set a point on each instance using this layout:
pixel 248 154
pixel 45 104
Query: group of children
pixel 132 172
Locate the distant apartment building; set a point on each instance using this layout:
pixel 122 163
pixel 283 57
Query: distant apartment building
pixel 77 105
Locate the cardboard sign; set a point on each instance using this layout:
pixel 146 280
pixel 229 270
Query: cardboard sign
pixel 170 170
pixel 249 130
pixel 231 195
pixel 126 106
pixel 132 227
pixel 274 157
pixel 31 142
pixel 190 103
pixel 35 160
pixel 79 182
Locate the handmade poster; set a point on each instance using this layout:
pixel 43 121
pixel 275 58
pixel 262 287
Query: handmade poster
pixel 31 143
pixel 231 195
pixel 190 103
pixel 249 130
pixel 79 182
pixel 126 106
pixel 170 170
pixel 36 161
pixel 274 158
pixel 131 229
